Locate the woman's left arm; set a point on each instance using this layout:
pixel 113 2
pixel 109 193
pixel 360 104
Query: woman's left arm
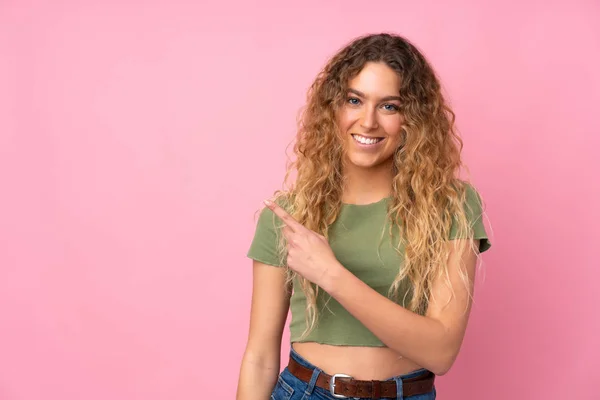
pixel 431 340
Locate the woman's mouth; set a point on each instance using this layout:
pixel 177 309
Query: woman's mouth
pixel 367 142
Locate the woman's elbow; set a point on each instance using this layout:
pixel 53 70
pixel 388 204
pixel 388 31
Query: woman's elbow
pixel 444 363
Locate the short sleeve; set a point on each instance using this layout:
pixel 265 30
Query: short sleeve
pixel 263 247
pixel 474 213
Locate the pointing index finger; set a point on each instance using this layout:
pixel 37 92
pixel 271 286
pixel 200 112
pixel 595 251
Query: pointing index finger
pixel 285 217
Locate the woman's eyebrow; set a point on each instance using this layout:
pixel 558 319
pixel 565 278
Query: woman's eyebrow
pixel 361 94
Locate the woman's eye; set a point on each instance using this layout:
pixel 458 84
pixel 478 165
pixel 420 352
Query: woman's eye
pixel 391 107
pixel 354 101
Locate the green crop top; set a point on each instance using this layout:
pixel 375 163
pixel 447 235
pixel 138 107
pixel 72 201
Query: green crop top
pixel 354 239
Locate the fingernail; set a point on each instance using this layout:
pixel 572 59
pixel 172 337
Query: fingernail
pixel 267 202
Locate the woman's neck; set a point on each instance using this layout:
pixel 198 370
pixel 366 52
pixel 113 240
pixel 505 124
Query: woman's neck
pixel 366 185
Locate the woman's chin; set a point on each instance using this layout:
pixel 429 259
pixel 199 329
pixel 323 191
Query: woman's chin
pixel 364 161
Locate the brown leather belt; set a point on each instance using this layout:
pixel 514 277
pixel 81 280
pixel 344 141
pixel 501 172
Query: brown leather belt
pixel 342 386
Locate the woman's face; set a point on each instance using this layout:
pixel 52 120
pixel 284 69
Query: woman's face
pixel 369 120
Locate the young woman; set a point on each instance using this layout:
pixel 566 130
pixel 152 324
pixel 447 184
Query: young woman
pixel 375 245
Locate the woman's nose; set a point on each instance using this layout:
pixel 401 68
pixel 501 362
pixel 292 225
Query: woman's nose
pixel 369 119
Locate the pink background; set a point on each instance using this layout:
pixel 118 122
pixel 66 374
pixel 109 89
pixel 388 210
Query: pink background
pixel 139 138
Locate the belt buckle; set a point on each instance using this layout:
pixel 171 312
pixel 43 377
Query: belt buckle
pixel 332 385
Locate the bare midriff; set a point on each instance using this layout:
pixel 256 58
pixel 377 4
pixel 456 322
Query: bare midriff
pixel 364 363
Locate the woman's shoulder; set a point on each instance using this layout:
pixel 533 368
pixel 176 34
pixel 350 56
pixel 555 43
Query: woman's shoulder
pixel 283 198
pixel 472 195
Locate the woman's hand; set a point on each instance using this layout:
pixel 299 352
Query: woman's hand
pixel 309 253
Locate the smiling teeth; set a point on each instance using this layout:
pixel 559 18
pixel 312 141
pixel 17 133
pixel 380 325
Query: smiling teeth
pixel 365 140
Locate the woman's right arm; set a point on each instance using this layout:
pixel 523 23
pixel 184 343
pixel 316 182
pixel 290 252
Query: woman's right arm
pixel 261 362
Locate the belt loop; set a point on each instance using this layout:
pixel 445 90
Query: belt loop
pixel 375 390
pixel 399 388
pixel 312 383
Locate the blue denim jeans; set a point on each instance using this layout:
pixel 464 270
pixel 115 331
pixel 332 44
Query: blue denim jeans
pixel 289 387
